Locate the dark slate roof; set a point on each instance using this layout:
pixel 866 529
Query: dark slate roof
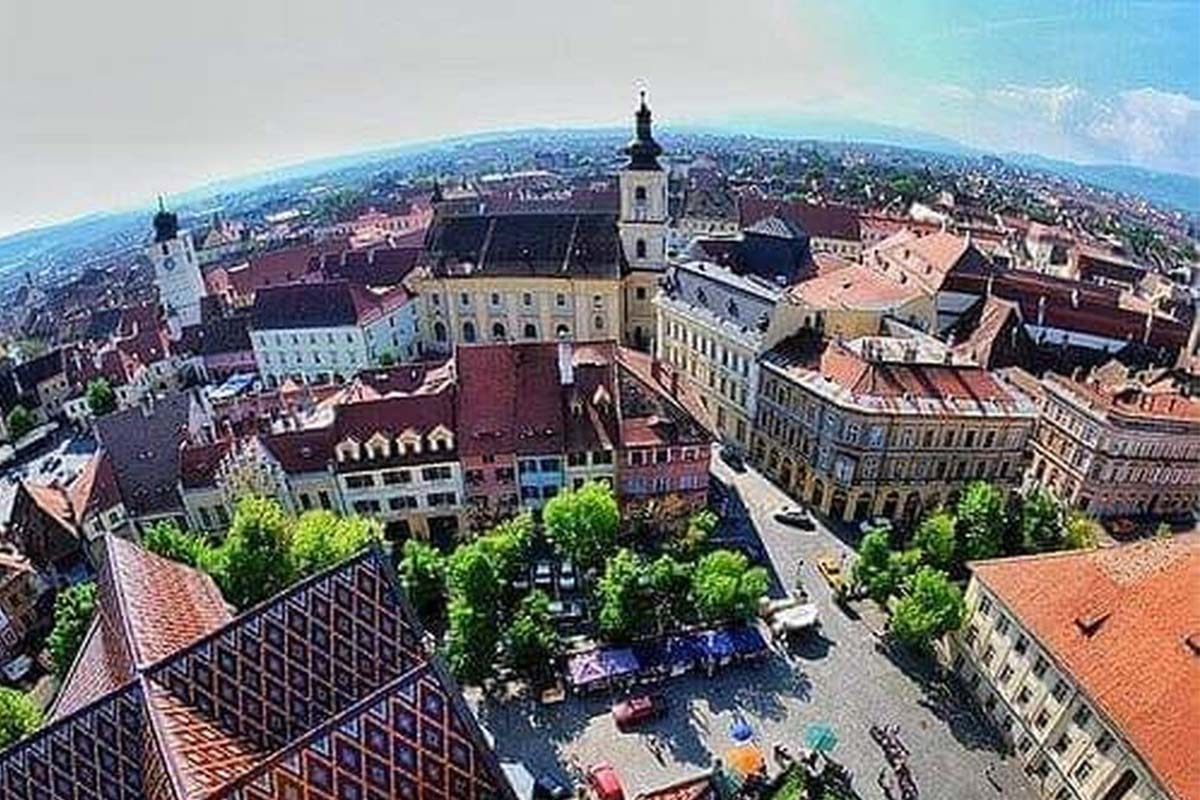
pixel 383 266
pixel 143 444
pixel 327 683
pixel 306 305
pixel 774 250
pixel 102 323
pixel 217 336
pixel 36 370
pixel 820 221
pixel 566 244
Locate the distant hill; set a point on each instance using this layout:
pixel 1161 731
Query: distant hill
pixel 1167 188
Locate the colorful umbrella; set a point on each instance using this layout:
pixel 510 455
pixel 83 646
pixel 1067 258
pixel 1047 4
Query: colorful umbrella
pixel 740 730
pixel 819 736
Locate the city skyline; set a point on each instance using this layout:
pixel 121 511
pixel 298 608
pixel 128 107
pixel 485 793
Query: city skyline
pixel 104 124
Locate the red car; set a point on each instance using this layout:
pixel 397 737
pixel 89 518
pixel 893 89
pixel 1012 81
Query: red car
pixel 603 781
pixel 636 710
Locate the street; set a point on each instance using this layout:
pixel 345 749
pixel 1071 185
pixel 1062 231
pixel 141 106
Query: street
pixel 839 677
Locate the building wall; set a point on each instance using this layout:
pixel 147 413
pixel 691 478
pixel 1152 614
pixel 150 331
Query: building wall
pixel 853 463
pixel 646 473
pixel 465 309
pixel 395 333
pixel 846 248
pixel 310 354
pixel 539 478
pixel 720 361
pixel 640 318
pixel 1109 466
pixel 412 495
pixel 791 315
pixel 1069 749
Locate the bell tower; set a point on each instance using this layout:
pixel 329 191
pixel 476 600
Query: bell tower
pixel 176 271
pixel 642 184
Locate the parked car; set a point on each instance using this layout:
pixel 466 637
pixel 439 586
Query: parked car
pixel 796 517
pixel 543 574
pixel 566 577
pixel 603 781
pixel 636 710
pixel 566 611
pixel 875 523
pixel 830 567
pixel 733 458
pixel 549 787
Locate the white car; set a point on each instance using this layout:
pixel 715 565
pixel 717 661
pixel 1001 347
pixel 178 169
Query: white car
pixel 543 574
pixel 566 577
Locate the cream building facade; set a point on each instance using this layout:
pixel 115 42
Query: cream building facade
pixel 711 328
pixel 884 426
pixel 1118 444
pixel 1085 663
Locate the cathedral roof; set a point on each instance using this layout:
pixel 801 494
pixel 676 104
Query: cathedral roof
pixel 323 691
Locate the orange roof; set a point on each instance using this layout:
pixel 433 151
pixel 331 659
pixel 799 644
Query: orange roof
pixel 1140 666
pixel 924 260
pixel 54 501
pixel 854 288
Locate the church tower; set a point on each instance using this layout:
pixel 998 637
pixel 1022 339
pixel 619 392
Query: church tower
pixel 642 183
pixel 176 271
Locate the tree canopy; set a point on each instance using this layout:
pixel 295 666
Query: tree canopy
pixel 583 523
pixel 532 640
pixel 254 562
pixel 321 538
pixel 726 587
pixel 19 421
pixel 623 596
pixel 935 537
pixel 423 575
pixel 73 608
pixel 1041 522
pixel 19 716
pixel 101 399
pixel 981 521
pixel 930 607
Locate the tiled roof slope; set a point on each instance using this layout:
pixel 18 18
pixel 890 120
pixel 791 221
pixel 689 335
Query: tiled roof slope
pixel 323 692
pixel 1139 665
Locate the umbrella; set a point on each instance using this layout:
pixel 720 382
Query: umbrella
pixel 819 736
pixel 746 759
pixel 740 730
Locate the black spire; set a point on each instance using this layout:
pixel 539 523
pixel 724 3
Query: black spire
pixel 166 224
pixel 643 151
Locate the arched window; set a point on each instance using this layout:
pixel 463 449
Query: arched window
pixel 641 248
pixel 733 309
pixel 439 331
pixel 639 194
pixel 498 331
pixel 562 331
pixel 598 323
pixel 530 331
pixel 468 331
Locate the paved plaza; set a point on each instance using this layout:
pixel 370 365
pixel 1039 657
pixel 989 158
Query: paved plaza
pixel 843 677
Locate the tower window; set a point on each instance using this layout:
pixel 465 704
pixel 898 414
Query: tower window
pixel 641 248
pixel 639 194
pixel 469 331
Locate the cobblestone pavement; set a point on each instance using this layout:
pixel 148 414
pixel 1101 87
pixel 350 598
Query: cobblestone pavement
pixel 841 677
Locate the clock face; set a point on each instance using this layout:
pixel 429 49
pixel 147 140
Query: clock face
pixel 168 263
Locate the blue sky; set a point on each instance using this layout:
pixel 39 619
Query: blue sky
pixel 115 102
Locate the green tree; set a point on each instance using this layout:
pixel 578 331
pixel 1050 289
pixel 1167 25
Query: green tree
pixel 532 640
pixel 19 421
pixel 101 399
pixel 471 577
pixel 583 523
pixel 981 521
pixel 507 545
pixel 423 575
pixel 623 595
pixel 73 609
pixel 726 587
pixel 872 569
pixel 1081 532
pixel 1041 521
pixel 254 562
pixel 670 584
pixel 387 359
pixel 167 540
pixel 321 538
pixel 691 540
pixel 19 716
pixel 930 607
pixel 471 641
pixel 937 541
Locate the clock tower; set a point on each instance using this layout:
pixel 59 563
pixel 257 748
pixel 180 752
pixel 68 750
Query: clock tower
pixel 642 184
pixel 176 271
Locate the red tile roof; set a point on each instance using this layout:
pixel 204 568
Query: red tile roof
pixel 1140 666
pixel 500 410
pixel 821 221
pixel 95 488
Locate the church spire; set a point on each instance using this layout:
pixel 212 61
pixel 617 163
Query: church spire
pixel 166 224
pixel 643 151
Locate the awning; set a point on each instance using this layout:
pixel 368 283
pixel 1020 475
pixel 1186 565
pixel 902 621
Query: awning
pixel 718 645
pixel 684 651
pixel 748 641
pixel 599 665
pixel 746 760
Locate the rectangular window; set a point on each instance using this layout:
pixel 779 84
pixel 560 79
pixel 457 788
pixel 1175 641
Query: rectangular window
pixel 504 474
pixel 1002 625
pixel 1082 715
pixel 323 496
pixel 442 473
pixel 985 606
pixel 551 465
pixel 360 481
pixel 1060 690
pixel 1039 667
pixel 1105 742
pixel 397 476
pixel 1063 743
pixel 1022 644
pixel 602 456
pixel 576 459
pixel 1041 719
pixel 1083 770
pixel 402 503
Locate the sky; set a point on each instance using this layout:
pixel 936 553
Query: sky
pixel 106 105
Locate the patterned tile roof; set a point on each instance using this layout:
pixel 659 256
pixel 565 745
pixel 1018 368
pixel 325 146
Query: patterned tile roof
pixel 323 692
